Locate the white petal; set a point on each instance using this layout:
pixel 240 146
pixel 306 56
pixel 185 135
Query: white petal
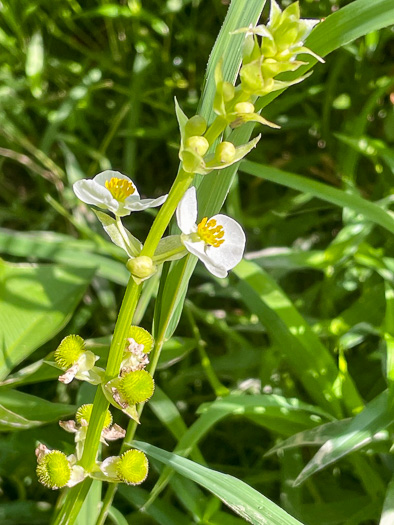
pixel 108 467
pixel 87 361
pixel 230 253
pixel 102 177
pixel 186 213
pixel 87 190
pixel 143 204
pixel 199 249
pixel 77 475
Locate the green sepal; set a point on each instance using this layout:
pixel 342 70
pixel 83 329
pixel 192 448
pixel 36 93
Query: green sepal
pixel 240 153
pixel 237 119
pixel 182 121
pixel 169 248
pixel 130 244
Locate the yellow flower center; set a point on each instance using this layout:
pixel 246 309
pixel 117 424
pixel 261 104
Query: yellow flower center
pixel 54 470
pixel 120 188
pixel 210 232
pixel 69 351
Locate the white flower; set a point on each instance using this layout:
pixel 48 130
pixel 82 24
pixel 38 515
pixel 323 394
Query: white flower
pixel 218 242
pixel 115 192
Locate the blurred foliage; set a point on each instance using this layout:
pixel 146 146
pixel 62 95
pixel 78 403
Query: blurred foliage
pixel 87 86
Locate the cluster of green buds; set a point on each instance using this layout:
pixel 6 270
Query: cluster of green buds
pixel 196 141
pixel 134 385
pixel 281 40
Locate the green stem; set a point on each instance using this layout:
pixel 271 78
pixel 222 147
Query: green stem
pixel 72 505
pixel 162 220
pixel 215 129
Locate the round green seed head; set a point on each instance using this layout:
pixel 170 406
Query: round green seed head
pixel 69 351
pixel 136 387
pixel 84 412
pixel 54 470
pixel 196 126
pixel 225 152
pixel 199 144
pixel 132 467
pixel 142 337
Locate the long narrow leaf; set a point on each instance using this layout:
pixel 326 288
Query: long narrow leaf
pixel 242 499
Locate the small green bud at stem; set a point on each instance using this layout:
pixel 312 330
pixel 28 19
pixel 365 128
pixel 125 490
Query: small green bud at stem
pixel 244 107
pixel 141 267
pixel 225 152
pixel 195 126
pixel 199 144
pixel 228 91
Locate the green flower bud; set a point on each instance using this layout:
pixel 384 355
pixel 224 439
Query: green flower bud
pixel 53 469
pixel 132 467
pixel 244 107
pixel 84 413
pixel 69 351
pixel 195 126
pixel 141 267
pixel 141 337
pixel 136 387
pixel 228 91
pixel 199 144
pixel 225 152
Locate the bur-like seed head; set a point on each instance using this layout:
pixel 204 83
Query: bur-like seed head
pixel 53 470
pixel 132 467
pixel 136 387
pixel 69 351
pixel 141 337
pixel 84 413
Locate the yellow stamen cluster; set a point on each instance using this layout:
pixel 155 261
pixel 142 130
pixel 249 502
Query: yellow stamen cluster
pixel 211 233
pixel 141 337
pixel 54 470
pixel 84 413
pixel 120 188
pixel 132 467
pixel 69 351
pixel 136 387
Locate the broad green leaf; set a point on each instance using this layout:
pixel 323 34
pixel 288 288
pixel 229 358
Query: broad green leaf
pixel 367 209
pixel 19 411
pixel 360 432
pixel 65 250
pixel 309 359
pixel 36 303
pixel 240 497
